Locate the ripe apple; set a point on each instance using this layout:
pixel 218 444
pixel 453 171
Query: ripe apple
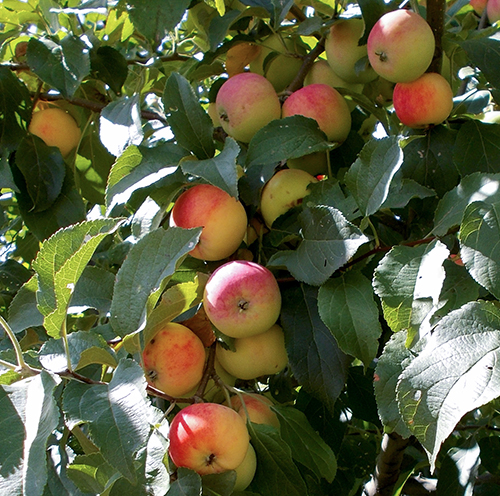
pixel 493 11
pixel 208 438
pixel 324 104
pixel 245 472
pixel 478 6
pixel 242 298
pixel 423 102
pixel 257 409
pixel 343 52
pixel 56 128
pixel 245 103
pixel 222 217
pixel 401 46
pixel 286 189
pixel 255 356
pixel 174 360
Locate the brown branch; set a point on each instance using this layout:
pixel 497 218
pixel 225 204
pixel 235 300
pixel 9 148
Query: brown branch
pixel 435 18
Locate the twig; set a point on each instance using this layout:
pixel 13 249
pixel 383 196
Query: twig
pixel 435 18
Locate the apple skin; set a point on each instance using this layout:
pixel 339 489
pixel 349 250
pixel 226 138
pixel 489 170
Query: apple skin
pixel 245 472
pixel 314 163
pixel 242 298
pixel 342 51
pixel 401 46
pixel 174 360
pixel 478 6
pixel 324 104
pixel 245 103
pixel 56 128
pixel 424 102
pixel 286 189
pixel 255 356
pixel 208 438
pixel 493 11
pixel 222 217
pixel 257 410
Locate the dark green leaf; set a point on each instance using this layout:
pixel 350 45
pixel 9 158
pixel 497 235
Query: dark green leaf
pixel 94 289
pixel 490 454
pixel 13 275
pixel 401 192
pixel 188 483
pixel 485 54
pixel 23 310
pixel 110 66
pixel 91 473
pixel 219 26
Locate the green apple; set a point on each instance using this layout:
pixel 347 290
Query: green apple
pixel 286 189
pixel 208 438
pixel 222 217
pixel 401 46
pixel 245 103
pixel 344 54
pixel 314 163
pixel 245 472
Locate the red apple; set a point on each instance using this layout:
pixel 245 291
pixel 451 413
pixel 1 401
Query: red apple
pixel 493 10
pixel 208 438
pixel 222 217
pixel 423 102
pixel 478 6
pixel 257 408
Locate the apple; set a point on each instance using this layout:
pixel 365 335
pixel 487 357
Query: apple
pixel 286 189
pixel 255 356
pixel 324 104
pixel 245 472
pixel 208 438
pixel 343 52
pixel 257 408
pixel 424 102
pixel 493 11
pixel 401 46
pixel 222 217
pixel 56 128
pixel 245 103
pixel 174 360
pixel 215 393
pixel 282 69
pixel 242 298
pixel 314 163
pixel 478 6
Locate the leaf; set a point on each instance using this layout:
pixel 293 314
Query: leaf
pixel 329 192
pixel 118 415
pixel 120 124
pixel 59 264
pixel 347 308
pixel 328 242
pixel 476 187
pixel 479 248
pixel 281 139
pixel 369 178
pixel 188 483
pixel 43 170
pixel 23 310
pixel 220 171
pixel 94 289
pixel 61 66
pixel 401 192
pixel 443 383
pixel 308 448
pixel 316 360
pixel 91 473
pixel 110 66
pixel 148 266
pixel 485 54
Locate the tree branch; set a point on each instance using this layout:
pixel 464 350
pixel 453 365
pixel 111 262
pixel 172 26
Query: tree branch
pixel 435 18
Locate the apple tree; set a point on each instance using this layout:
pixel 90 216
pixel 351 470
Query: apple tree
pixel 384 244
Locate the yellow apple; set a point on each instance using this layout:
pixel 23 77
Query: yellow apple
pixel 174 360
pixel 257 408
pixel 208 438
pixel 56 128
pixel 246 470
pixel 222 217
pixel 286 189
pixel 314 163
pixel 255 356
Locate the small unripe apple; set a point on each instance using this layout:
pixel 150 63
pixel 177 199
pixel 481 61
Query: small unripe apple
pixel 208 438
pixel 286 189
pixel 174 360
pixel 245 472
pixel 401 46
pixel 245 103
pixel 222 217
pixel 257 409
pixel 324 104
pixel 343 51
pixel 56 128
pixel 255 356
pixel 424 102
pixel 242 298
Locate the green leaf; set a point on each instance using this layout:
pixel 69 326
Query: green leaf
pixel 329 192
pixel 307 446
pixel 347 308
pixel 23 310
pixel 61 66
pixel 43 170
pixel 59 264
pixel 485 54
pixel 369 178
pixel 479 248
pixel 274 457
pixel 476 187
pixel 401 192
pixel 220 171
pixel 316 360
pixel 328 242
pixel 145 271
pixel 118 414
pixel 281 139
pixel 110 66
pixel 94 289
pixel 188 483
pixel 91 473
pixel 443 383
pixel 188 120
